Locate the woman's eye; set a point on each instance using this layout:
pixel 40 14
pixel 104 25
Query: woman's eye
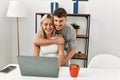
pixel 45 24
pixel 51 24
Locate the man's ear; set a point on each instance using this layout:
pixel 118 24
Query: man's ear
pixel 65 19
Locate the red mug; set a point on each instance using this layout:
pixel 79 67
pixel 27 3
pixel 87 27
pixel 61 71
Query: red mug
pixel 74 70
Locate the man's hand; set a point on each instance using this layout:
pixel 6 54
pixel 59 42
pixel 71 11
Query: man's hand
pixel 69 55
pixel 60 40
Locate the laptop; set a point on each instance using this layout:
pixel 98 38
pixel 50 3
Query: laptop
pixel 38 66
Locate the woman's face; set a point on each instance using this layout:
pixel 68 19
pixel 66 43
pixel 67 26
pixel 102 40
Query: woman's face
pixel 48 26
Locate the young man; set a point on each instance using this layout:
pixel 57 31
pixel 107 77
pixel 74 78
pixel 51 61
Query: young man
pixel 67 31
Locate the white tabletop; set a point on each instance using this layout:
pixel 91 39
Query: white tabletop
pixel 84 74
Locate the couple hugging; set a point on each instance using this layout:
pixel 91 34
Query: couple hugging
pixel 56 38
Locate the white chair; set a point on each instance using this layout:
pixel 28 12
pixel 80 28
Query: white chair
pixel 105 61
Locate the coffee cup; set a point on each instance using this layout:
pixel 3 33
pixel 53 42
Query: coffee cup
pixel 74 70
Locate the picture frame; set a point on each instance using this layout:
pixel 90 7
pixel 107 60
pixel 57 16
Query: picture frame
pixel 38 17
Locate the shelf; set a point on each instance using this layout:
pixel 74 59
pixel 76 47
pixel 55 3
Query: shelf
pixel 69 14
pixel 81 56
pixel 80 0
pixel 82 36
pixel 76 15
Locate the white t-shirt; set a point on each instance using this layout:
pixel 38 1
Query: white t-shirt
pixel 49 50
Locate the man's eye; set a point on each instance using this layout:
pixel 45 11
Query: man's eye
pixel 55 20
pixel 61 21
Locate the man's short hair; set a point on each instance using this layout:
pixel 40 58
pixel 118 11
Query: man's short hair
pixel 60 12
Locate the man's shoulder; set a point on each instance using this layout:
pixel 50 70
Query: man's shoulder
pixel 68 26
pixel 70 32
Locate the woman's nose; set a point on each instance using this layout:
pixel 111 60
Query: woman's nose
pixel 48 26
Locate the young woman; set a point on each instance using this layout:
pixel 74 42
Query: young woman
pixel 48 32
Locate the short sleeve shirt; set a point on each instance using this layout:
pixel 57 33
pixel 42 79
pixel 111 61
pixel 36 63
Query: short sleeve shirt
pixel 69 35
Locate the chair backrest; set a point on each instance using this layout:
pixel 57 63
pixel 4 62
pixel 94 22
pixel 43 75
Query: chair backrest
pixel 105 61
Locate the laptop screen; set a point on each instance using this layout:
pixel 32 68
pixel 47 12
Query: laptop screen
pixel 38 66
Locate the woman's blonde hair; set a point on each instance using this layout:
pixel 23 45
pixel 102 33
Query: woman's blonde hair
pixel 46 16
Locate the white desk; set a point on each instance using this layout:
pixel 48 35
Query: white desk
pixel 84 74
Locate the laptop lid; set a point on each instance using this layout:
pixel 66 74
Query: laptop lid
pixel 38 66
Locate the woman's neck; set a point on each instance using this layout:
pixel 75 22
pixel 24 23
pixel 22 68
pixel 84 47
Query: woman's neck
pixel 48 36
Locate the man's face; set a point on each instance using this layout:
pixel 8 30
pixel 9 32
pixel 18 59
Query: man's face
pixel 59 22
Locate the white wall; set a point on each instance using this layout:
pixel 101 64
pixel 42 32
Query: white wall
pixel 5 35
pixel 104 31
pixel 105 34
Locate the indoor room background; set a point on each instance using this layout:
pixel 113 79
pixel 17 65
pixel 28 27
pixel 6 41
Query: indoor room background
pixel 104 27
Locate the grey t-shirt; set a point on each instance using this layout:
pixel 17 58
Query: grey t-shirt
pixel 69 35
